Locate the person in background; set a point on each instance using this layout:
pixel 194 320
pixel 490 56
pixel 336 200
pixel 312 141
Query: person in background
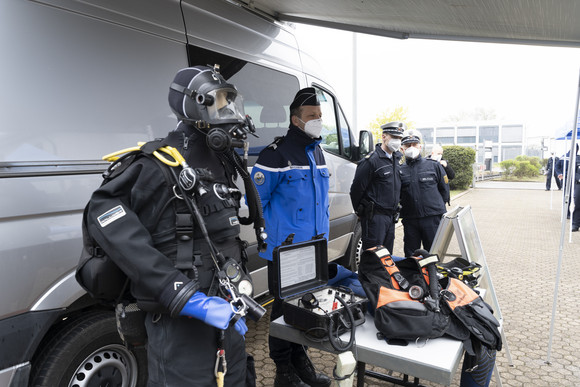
pixel 424 192
pixel 292 179
pixel 376 189
pixel 550 172
pixel 561 166
pixel 437 155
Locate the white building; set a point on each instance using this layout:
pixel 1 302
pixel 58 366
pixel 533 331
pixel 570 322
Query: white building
pixel 507 140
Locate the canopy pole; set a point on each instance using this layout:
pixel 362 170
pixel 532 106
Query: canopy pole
pixel 567 190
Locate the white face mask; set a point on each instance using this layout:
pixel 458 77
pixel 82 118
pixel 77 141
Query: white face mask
pixel 412 152
pixel 394 144
pixel 437 157
pixel 313 127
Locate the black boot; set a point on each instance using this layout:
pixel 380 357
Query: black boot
pixel 286 377
pixel 307 373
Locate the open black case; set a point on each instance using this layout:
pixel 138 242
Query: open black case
pixel 300 279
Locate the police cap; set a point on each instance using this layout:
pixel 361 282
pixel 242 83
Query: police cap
pixel 411 137
pixel 306 96
pixel 394 128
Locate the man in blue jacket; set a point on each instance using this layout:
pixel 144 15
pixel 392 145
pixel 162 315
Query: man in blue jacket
pixel 292 179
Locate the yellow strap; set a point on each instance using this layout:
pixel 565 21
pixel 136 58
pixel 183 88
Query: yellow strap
pixel 174 153
pixel 115 155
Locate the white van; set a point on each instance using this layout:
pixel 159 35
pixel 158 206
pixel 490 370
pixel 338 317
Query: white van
pixel 80 80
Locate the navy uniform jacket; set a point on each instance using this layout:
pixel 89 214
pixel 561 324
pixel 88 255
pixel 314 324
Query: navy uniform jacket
pixel 377 179
pixel 562 165
pixel 424 189
pixel 293 180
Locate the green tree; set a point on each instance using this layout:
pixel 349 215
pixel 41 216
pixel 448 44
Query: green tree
pixel 399 113
pixel 461 159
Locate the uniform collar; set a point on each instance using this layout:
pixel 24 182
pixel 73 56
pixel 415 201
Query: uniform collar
pixel 299 136
pixel 412 161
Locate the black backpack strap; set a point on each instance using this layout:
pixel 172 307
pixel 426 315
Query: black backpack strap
pixel 183 220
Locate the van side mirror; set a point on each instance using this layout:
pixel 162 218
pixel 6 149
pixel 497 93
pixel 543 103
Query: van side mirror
pixel 366 143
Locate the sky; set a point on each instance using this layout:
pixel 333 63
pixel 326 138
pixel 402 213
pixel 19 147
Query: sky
pixel 533 85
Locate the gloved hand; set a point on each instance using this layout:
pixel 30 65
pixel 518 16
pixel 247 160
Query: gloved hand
pixel 240 326
pixel 213 311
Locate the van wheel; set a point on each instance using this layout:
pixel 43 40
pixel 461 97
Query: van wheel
pixel 354 251
pixel 89 352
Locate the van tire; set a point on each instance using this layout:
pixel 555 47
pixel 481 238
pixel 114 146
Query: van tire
pixel 88 351
pixel 352 259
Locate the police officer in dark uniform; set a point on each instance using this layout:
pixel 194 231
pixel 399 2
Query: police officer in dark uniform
pixel 424 192
pixel 551 172
pixel 376 187
pixel 561 166
pixel 136 219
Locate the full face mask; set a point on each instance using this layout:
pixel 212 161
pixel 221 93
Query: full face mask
pixel 412 152
pixel 201 97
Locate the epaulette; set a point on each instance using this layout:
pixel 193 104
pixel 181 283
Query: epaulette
pixel 276 141
pixel 369 155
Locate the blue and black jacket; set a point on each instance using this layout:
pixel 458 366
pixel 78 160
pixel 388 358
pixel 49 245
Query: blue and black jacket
pixel 292 179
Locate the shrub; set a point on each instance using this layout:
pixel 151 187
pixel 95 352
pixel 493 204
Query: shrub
pixel 508 166
pixel 521 167
pixel 534 160
pixel 461 160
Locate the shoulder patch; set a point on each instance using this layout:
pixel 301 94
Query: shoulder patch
pixel 259 178
pixel 112 215
pixel 446 179
pixel 369 155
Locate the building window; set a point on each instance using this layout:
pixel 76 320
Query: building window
pixel 466 139
pixel 445 140
pixel 512 133
pixel 489 133
pixel 510 152
pixel 427 134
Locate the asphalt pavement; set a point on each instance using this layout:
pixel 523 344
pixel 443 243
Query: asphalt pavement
pixel 526 249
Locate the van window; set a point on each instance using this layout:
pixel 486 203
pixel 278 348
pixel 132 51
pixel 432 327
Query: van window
pixel 345 134
pixel 267 94
pixel 329 134
pixel 334 140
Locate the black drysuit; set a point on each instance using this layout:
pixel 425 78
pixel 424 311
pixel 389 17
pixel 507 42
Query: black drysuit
pixel 133 218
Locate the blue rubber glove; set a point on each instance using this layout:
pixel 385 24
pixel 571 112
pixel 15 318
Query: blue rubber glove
pixel 240 326
pixel 213 311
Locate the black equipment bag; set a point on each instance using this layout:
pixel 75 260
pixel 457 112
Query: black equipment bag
pixel 96 272
pixel 396 292
pixel 408 304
